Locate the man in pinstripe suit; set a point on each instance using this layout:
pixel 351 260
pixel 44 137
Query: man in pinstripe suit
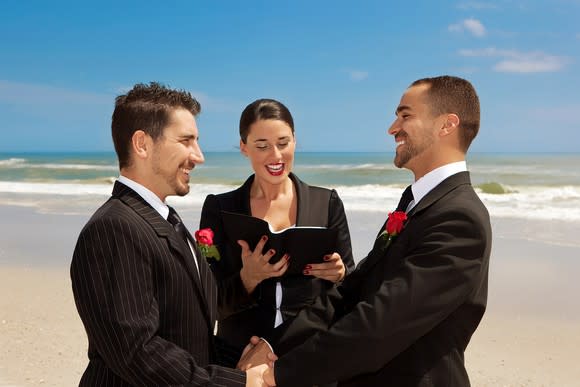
pixel 147 304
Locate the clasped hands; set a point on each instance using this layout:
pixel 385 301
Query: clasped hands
pixel 258 362
pixel 256 266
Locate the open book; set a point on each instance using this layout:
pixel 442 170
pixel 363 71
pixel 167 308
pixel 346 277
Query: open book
pixel 304 244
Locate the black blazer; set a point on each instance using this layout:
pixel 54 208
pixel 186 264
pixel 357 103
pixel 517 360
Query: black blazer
pixel 408 311
pixel 148 318
pixel 243 315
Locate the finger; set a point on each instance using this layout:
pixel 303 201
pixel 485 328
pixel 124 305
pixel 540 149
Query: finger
pixel 331 257
pixel 261 243
pixel 254 340
pixel 323 266
pixel 278 265
pixel 280 272
pixel 266 257
pixel 327 274
pixel 245 248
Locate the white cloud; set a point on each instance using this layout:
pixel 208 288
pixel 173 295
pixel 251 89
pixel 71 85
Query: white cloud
pixel 358 75
pixel 42 95
pixel 513 61
pixel 476 5
pixel 473 26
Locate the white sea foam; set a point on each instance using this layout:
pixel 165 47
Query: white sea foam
pixel 12 162
pixel 22 164
pixel 523 202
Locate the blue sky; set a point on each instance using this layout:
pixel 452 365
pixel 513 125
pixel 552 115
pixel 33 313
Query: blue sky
pixel 340 67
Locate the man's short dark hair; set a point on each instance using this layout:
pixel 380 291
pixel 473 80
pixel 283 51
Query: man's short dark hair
pixel 147 108
pixel 448 94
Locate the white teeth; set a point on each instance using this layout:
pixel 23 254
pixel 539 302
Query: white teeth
pixel 186 171
pixel 400 142
pixel 275 167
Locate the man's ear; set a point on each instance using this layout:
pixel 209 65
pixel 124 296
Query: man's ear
pixel 141 143
pixel 450 125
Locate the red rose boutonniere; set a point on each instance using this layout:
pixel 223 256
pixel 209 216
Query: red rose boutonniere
pixel 204 239
pixel 395 223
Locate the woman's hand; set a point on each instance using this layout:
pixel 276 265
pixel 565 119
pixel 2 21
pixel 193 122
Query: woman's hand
pixel 256 268
pixel 331 270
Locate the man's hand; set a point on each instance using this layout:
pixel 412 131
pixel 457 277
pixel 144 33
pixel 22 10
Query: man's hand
pixel 268 377
pixel 254 376
pixel 257 352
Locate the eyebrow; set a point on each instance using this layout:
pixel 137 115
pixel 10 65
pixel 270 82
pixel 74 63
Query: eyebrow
pixel 400 108
pixel 187 136
pixel 279 138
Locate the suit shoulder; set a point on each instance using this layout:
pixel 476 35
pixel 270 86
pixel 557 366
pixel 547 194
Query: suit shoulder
pixel 313 189
pixel 113 210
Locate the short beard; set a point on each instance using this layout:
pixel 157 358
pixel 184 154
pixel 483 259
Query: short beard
pixel 404 156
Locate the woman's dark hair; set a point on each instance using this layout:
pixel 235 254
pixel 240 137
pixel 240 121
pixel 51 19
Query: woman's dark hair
pixel 263 109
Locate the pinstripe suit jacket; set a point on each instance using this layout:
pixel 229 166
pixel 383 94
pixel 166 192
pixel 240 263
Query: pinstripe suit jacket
pixel 149 317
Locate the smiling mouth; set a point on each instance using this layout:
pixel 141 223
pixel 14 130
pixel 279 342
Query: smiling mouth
pixel 187 171
pixel 275 169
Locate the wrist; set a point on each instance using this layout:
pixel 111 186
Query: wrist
pixel 248 282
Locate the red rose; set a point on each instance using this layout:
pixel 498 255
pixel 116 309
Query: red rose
pixel 395 222
pixel 204 236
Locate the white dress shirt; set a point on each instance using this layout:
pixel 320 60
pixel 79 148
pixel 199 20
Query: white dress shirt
pixel 431 180
pixel 278 320
pixel 154 201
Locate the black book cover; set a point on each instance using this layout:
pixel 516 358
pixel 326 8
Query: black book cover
pixel 304 244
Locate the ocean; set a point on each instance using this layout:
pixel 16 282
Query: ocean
pixel 528 186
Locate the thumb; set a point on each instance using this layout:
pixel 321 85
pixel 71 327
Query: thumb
pixel 245 248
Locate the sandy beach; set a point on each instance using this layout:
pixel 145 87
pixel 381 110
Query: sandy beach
pixel 530 335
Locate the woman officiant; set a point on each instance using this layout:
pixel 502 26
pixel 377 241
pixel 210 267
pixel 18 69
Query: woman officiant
pixel 255 297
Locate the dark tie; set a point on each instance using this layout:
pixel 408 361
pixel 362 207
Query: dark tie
pixel 203 269
pixel 406 198
pixel 177 224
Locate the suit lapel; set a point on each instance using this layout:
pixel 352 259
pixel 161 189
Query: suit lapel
pixel 442 189
pixel 164 230
pixel 439 191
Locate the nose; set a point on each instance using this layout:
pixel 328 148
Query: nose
pixel 196 155
pixel 394 128
pixel 277 152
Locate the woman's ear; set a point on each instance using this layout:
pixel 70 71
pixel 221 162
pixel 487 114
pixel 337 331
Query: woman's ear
pixel 243 148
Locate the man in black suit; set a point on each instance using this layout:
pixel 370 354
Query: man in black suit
pixel 144 292
pixel 408 311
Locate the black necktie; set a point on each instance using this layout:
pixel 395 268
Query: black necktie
pixel 179 227
pixel 177 224
pixel 406 198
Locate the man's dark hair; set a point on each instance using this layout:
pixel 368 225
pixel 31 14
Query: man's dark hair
pixel 448 94
pixel 147 108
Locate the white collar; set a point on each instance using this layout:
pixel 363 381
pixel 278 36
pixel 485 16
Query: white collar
pixel 432 179
pixel 147 195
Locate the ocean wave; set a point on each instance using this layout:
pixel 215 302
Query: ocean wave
pixel 348 167
pixel 12 162
pixel 494 188
pixel 21 164
pixel 522 202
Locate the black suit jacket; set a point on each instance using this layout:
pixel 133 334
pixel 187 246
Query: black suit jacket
pixel 243 315
pixel 148 315
pixel 408 311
